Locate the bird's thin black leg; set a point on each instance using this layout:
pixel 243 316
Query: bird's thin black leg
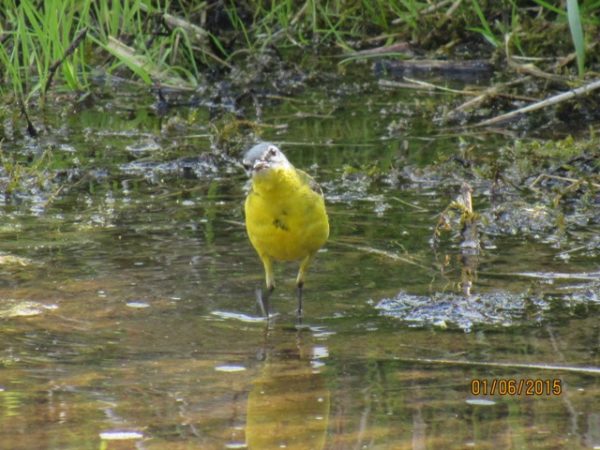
pixel 299 295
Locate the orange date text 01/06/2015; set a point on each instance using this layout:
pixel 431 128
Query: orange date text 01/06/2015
pixel 514 386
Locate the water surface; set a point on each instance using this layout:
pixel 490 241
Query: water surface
pixel 127 295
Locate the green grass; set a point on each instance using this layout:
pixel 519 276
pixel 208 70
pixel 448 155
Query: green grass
pixel 40 37
pixel 576 28
pixel 485 29
pixel 174 42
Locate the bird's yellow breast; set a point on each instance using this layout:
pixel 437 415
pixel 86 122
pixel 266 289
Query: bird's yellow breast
pixel 285 218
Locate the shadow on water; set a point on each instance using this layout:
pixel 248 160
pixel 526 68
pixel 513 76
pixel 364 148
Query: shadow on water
pixel 127 306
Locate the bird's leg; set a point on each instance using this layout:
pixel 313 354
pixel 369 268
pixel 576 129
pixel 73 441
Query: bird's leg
pixel 262 298
pixel 300 284
pixel 299 295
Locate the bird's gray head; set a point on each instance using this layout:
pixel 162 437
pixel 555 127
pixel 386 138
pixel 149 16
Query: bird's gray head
pixel 264 156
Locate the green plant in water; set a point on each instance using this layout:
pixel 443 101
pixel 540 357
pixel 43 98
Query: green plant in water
pixel 20 174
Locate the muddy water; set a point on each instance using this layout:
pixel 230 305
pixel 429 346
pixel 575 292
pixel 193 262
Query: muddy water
pixel 127 293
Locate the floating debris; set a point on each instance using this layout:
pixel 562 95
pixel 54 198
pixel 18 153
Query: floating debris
pixel 187 167
pixel 449 309
pixel 480 402
pixel 230 368
pixel 138 304
pixel 519 218
pixel 144 146
pixel 239 316
pixel 23 308
pixel 116 435
pixel 592 276
pixel 236 445
pixel 14 260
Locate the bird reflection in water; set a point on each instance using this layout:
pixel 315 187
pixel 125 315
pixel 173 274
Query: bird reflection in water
pixel 289 403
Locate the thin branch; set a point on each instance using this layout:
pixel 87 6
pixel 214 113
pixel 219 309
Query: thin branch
pixel 412 205
pixel 376 251
pixel 399 47
pixel 432 86
pixel 30 128
pixel 556 177
pixel 491 92
pixel 586 89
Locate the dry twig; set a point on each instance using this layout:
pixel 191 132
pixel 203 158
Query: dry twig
pixel 586 89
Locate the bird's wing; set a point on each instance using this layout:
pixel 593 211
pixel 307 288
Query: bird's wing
pixel 310 181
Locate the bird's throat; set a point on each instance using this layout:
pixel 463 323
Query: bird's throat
pixel 272 180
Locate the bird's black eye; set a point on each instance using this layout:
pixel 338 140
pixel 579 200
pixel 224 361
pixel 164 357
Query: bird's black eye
pixel 272 151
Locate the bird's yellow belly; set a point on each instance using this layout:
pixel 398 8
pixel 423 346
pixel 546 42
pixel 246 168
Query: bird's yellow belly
pixel 286 229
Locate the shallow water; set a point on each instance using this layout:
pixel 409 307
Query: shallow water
pixel 128 311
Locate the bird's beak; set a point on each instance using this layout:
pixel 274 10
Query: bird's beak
pixel 260 165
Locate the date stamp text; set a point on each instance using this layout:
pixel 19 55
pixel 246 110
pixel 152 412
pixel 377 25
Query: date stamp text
pixel 516 387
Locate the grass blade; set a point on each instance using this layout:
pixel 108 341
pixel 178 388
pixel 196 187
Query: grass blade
pixel 577 34
pixel 486 30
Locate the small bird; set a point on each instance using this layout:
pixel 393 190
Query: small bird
pixel 286 218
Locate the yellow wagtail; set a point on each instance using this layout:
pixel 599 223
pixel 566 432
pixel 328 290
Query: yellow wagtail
pixel 285 215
